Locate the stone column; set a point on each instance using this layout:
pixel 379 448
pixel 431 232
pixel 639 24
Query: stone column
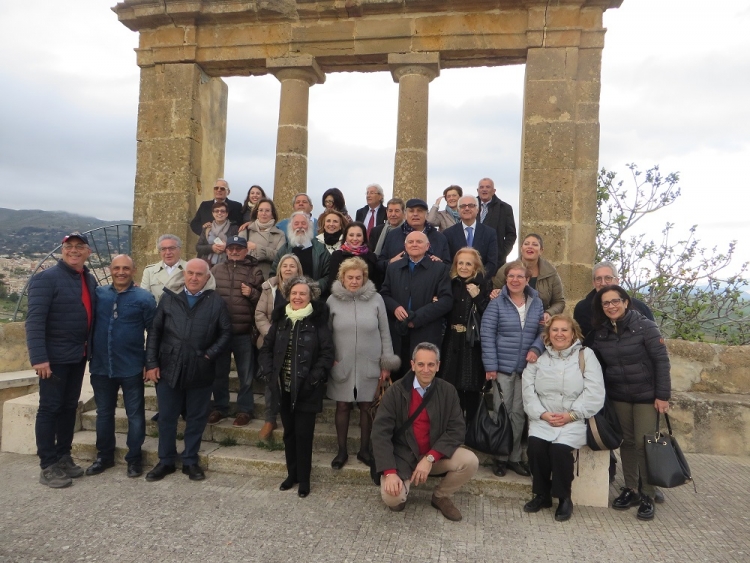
pixel 560 151
pixel 413 72
pixel 182 115
pixel 296 75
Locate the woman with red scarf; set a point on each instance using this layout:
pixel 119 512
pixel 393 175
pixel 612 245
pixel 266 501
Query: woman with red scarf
pixel 355 244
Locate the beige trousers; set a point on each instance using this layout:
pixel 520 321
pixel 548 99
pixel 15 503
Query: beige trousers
pixel 458 469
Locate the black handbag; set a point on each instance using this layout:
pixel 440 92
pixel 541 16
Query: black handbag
pixel 603 430
pixel 488 435
pixel 666 465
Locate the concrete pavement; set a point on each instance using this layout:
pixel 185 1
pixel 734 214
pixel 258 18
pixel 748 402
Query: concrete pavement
pixel 237 518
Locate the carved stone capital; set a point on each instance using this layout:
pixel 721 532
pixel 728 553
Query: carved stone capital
pixel 423 64
pixel 298 67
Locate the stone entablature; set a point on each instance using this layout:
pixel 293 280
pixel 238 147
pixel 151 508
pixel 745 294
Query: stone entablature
pixel 230 38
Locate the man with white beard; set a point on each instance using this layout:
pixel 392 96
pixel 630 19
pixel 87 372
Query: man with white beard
pixel 312 254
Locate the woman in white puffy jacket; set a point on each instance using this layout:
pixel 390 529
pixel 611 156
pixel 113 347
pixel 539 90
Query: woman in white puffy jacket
pixel 560 391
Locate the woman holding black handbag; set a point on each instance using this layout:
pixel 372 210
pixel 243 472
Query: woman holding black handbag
pixel 462 351
pixel 558 397
pixel 637 379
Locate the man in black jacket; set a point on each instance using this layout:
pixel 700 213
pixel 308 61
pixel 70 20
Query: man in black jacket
pixel 204 215
pixel 372 214
pixel 417 295
pixel 189 332
pixel 604 274
pixel 497 214
pixel 430 445
pixel 58 337
pixel 470 232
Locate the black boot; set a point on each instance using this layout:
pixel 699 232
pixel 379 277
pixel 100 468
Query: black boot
pixel 537 503
pixel 564 510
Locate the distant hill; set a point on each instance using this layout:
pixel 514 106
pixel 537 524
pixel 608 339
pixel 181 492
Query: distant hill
pixel 33 231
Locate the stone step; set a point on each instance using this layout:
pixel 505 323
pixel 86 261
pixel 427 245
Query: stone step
pixel 252 460
pixel 325 441
pixel 328 414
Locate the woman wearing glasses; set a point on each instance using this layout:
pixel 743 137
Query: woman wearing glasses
pixel 636 378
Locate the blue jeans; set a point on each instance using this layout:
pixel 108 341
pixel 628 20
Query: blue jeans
pixel 56 417
pixel 105 394
pixel 244 357
pixel 197 404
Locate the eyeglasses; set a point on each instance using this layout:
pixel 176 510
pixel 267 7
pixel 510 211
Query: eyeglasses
pixel 220 188
pixel 74 246
pixel 612 303
pixel 168 248
pixel 220 211
pixel 604 279
pixel 467 206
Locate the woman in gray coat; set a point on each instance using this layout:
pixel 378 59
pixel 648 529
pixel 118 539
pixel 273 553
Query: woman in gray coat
pixel 561 390
pixel 364 353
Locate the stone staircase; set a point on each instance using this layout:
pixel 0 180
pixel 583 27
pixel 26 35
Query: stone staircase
pixel 229 449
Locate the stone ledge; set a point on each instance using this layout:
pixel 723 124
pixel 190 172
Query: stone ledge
pixel 18 379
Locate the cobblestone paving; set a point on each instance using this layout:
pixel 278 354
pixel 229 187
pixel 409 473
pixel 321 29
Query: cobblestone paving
pixel 235 518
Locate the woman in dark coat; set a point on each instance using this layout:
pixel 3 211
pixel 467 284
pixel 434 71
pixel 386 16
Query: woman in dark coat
pixel 355 245
pixel 462 362
pixel 637 380
pixel 296 358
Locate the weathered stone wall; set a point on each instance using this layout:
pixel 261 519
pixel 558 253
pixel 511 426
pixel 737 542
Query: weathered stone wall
pixel 13 353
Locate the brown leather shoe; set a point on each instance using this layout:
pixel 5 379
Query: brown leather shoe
pixel 399 507
pixel 448 509
pixel 243 419
pixel 215 417
pixel 267 430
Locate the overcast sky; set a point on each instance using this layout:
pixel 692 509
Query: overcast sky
pixel 675 82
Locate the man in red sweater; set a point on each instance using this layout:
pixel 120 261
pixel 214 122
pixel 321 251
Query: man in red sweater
pixel 430 445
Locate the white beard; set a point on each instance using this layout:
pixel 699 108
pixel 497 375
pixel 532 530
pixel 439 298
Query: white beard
pixel 302 239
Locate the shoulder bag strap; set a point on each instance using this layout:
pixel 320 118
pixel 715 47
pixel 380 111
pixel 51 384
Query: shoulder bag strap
pixel 581 361
pixel 405 426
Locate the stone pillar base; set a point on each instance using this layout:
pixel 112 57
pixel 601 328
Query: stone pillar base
pixel 591 484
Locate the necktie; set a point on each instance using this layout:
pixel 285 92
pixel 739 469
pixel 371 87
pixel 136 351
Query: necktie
pixel 371 223
pixel 469 236
pixel 483 215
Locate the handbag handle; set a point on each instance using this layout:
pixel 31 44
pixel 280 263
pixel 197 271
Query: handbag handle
pixel 669 424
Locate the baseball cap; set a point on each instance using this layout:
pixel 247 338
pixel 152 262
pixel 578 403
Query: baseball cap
pixel 239 241
pixel 416 202
pixel 76 234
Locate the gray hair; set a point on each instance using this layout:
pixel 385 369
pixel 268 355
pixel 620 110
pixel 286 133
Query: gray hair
pixel 304 280
pixel 222 180
pixel 377 187
pixel 294 199
pixel 290 229
pixel 286 257
pixel 168 236
pixel 429 346
pixel 474 199
pixel 488 179
pixel 606 264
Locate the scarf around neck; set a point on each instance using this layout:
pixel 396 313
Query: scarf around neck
pixel 299 314
pixel 332 238
pixel 355 250
pixel 264 226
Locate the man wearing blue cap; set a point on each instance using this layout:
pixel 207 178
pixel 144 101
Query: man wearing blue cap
pixel 58 337
pixel 238 281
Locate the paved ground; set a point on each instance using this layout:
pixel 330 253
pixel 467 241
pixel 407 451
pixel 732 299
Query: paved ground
pixel 235 518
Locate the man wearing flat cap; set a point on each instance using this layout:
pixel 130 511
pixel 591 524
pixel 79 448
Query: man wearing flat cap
pixel 238 281
pixel 416 220
pixel 58 337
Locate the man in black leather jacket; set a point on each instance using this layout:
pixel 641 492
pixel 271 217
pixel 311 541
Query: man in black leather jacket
pixel 190 330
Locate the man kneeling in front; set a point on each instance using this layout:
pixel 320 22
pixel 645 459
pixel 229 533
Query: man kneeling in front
pixel 418 432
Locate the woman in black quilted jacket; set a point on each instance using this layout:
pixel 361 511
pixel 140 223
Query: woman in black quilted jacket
pixel 636 378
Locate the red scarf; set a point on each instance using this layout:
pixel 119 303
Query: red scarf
pixel 355 250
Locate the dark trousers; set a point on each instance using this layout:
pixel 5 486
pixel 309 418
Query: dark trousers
pixel 56 417
pixel 299 428
pixel 197 408
pixel 105 394
pixel 243 349
pixel 551 468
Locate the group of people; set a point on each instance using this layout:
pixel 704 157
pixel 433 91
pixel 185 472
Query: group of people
pixel 423 296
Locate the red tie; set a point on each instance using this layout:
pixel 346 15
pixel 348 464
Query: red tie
pixel 371 223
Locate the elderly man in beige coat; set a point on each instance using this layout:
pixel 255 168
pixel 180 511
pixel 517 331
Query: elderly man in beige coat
pixel 169 271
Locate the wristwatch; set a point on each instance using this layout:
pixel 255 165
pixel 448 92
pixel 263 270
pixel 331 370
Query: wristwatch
pixel 430 458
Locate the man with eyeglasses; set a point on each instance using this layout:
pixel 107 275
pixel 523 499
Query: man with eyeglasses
pixel 604 274
pixel 169 271
pixel 470 232
pixel 122 314
pixel 204 215
pixel 58 337
pixel 498 215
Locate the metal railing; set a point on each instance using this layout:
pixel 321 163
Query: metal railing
pixel 105 243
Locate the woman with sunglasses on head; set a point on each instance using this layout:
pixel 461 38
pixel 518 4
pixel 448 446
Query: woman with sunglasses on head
pixel 637 379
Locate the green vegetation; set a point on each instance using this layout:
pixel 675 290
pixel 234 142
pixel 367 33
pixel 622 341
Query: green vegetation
pixel 271 445
pixel 685 284
pixel 228 441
